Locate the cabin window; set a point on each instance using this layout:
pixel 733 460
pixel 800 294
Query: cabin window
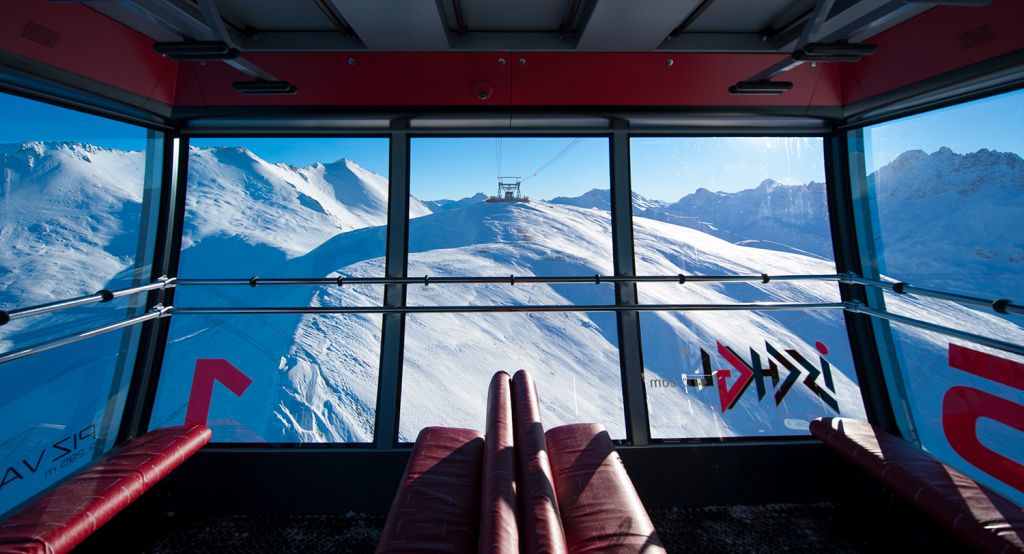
pixel 282 208
pixel 504 207
pixel 941 200
pixel 78 198
pixel 738 206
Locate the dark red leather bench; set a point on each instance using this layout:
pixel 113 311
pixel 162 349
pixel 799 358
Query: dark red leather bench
pixel 57 521
pixel 437 506
pixel 499 524
pixel 539 521
pixel 509 488
pixel 983 519
pixel 600 509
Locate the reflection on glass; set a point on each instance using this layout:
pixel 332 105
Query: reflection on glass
pixel 274 208
pixel 940 206
pixel 944 190
pixel 500 207
pixel 948 380
pixel 738 206
pixel 450 358
pixel 470 218
pixel 77 210
pixel 314 377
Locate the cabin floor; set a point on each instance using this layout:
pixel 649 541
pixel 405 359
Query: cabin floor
pixel 818 527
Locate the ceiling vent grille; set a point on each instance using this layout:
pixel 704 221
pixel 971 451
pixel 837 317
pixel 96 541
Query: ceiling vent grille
pixel 976 37
pixel 42 35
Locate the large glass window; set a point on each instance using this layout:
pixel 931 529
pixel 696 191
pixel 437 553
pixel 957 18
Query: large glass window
pixel 738 206
pixel 941 197
pixel 77 210
pixel 296 208
pixel 503 207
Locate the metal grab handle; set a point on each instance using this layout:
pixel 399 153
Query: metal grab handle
pixel 103 295
pixel 858 308
pixel 507 309
pixel 155 313
pixel 511 279
pixel 1001 306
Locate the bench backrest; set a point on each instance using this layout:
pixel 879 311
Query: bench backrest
pixel 540 524
pixel 499 530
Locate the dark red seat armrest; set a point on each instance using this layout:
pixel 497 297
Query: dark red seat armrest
pixel 540 524
pixel 437 506
pixel 601 510
pixel 981 517
pixel 63 517
pixel 499 531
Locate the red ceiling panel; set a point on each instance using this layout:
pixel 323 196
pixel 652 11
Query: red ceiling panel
pixel 601 79
pixel 357 79
pixel 80 40
pixel 531 79
pixel 939 40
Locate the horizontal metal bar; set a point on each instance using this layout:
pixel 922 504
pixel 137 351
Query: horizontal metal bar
pixel 507 309
pixel 100 296
pixel 12 355
pixel 999 306
pixel 994 343
pixel 511 279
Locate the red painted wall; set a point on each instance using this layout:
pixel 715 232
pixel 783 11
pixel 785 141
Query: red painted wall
pixel 543 79
pixel 929 45
pixel 90 44
pixel 97 47
pixel 373 79
pixel 563 79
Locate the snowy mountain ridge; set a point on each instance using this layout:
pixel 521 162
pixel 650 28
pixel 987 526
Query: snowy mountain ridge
pixel 315 376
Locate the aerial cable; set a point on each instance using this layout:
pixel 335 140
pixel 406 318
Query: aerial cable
pixel 497 153
pixel 561 153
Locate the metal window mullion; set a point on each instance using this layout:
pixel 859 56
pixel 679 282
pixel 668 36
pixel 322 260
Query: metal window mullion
pixel 389 381
pixel 144 246
pixel 153 340
pixel 865 230
pixel 848 257
pixel 634 394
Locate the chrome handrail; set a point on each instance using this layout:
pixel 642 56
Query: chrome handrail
pixel 506 309
pixel 1000 306
pixel 155 313
pixel 103 295
pixel 511 279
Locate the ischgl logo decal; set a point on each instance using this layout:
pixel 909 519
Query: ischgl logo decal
pixel 47 460
pixel 786 368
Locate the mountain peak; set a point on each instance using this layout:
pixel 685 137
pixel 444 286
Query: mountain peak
pixel 769 184
pixel 593 198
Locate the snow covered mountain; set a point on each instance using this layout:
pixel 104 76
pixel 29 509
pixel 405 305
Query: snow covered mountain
pixel 59 239
pixel 446 204
pixel 600 199
pixel 315 376
pixel 238 199
pixel 947 218
pixel 771 215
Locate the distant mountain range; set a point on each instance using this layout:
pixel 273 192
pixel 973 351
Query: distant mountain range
pixel 67 212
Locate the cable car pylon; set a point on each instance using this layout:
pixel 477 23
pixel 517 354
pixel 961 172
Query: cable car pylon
pixel 508 187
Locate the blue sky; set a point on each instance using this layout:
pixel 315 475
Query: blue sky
pixel 670 168
pixel 23 120
pixel 662 168
pixel 460 167
pixel 996 123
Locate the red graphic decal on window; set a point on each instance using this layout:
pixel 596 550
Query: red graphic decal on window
pixel 963 406
pixel 728 396
pixel 755 373
pixel 208 371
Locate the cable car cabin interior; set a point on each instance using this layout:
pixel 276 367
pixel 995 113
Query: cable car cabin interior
pixel 491 276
